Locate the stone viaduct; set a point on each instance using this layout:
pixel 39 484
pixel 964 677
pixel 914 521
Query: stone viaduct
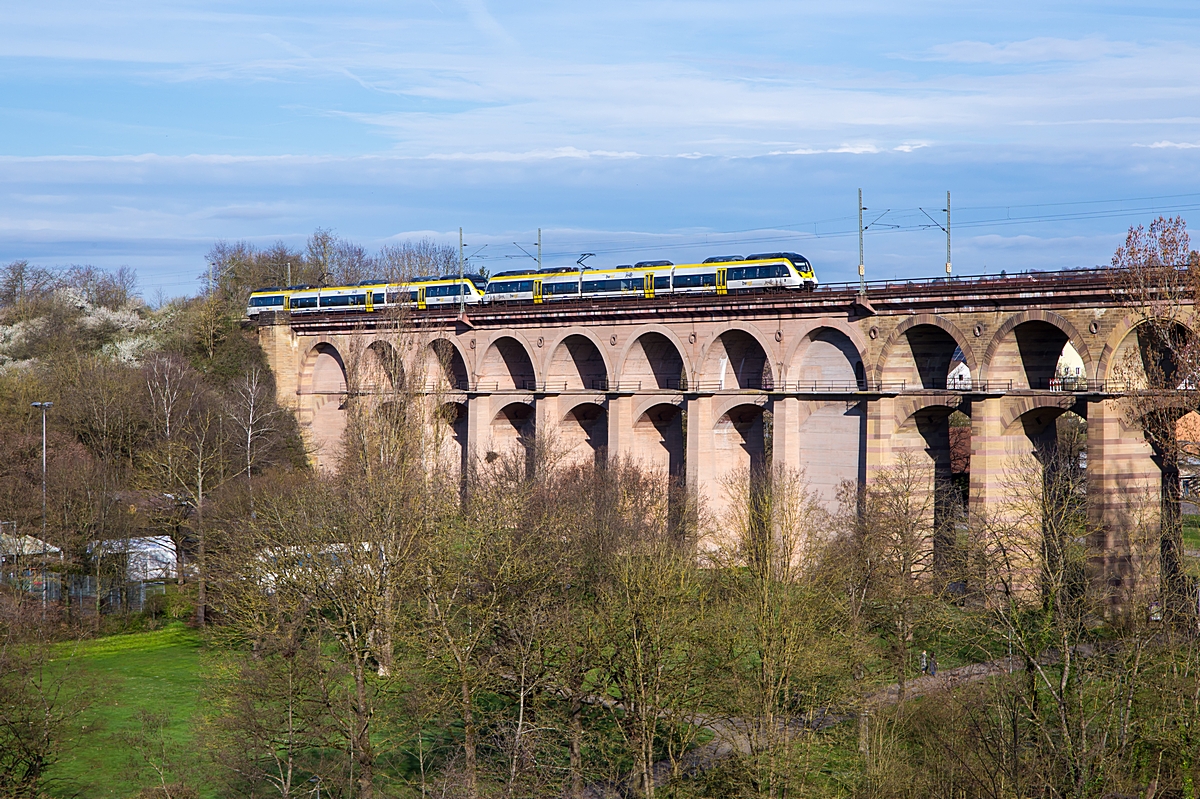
pixel 835 384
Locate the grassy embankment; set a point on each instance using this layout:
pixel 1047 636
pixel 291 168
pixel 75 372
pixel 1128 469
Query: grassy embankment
pixel 156 671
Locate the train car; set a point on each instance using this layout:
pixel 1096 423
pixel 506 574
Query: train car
pixel 644 279
pixel 369 295
pixel 647 279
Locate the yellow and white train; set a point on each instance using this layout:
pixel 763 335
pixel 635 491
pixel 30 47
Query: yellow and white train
pixel 645 279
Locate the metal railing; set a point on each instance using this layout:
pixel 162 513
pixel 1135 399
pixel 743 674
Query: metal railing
pixel 1066 385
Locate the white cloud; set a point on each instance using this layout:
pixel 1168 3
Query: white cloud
pixel 1030 51
pixel 1163 145
pixel 533 155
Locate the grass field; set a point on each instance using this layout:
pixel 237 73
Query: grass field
pixel 1191 531
pixel 157 671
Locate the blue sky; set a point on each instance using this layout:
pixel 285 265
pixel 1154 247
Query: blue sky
pixel 139 133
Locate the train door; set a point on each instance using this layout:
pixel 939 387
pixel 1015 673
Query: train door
pixel 721 281
pixel 421 297
pixel 649 285
pixel 537 291
pixel 287 302
pixel 370 298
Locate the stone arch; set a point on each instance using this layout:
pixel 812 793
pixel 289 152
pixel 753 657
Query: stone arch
pixel 1114 362
pixel 646 403
pixel 1040 406
pixel 446 365
pixel 987 371
pixel 919 351
pixel 1027 348
pixel 583 433
pixel 454 448
pixel 658 439
pixel 654 360
pixel 325 373
pixel 513 432
pixel 826 355
pixel 506 366
pixel 577 363
pixel 723 405
pixel 738 358
pixel 381 368
pixel 740 441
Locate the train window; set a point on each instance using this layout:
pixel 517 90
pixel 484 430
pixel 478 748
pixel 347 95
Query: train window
pixel 614 285
pixel 662 283
pixel 696 281
pixel 510 286
pixel 358 299
pixel 378 298
pixel 560 288
pixel 335 301
pixel 264 302
pixel 304 302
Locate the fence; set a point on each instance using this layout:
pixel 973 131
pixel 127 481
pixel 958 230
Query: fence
pixel 82 591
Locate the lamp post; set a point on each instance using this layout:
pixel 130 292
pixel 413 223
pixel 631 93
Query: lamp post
pixel 43 406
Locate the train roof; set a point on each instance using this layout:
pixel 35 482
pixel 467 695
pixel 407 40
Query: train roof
pixel 763 256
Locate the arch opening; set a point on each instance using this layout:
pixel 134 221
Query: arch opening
pixel 453 447
pixel 743 440
pixel 654 363
pixel 923 358
pixel 738 361
pixel 659 438
pixel 513 434
pixel 381 367
pixel 1036 355
pixel 507 367
pixel 931 438
pixel 447 365
pixel 577 365
pixel 329 397
pixel 829 358
pixel 584 433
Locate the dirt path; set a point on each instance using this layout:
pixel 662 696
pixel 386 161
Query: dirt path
pixel 735 736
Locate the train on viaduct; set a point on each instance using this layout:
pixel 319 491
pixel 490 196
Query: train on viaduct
pixel 835 383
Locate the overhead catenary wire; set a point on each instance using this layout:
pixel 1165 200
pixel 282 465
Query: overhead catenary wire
pixel 652 241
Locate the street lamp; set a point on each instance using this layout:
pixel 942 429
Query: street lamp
pixel 44 406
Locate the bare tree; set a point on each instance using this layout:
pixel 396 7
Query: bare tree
pixel 889 549
pixel 781 619
pixel 254 416
pixel 1158 278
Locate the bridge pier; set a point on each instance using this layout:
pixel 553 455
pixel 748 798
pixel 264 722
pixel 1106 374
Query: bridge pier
pixel 1124 505
pixel 621 442
pixel 703 474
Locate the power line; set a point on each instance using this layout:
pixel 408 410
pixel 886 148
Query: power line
pixel 662 240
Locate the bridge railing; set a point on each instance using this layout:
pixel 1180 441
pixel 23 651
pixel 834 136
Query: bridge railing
pixel 1066 385
pixel 1096 273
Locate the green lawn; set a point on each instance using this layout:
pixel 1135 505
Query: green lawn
pixel 158 671
pixel 1191 531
